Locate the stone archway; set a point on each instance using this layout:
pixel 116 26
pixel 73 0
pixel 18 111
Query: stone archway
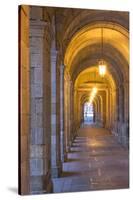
pixel 65 47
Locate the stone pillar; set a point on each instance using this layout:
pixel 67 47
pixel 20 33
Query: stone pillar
pixel 69 112
pixel 71 95
pixel 101 111
pixel 62 137
pixel 121 103
pixel 47 105
pixel 65 113
pixel 55 133
pixel 97 100
pixel 82 114
pixel 126 111
pixel 123 114
pixel 107 108
pixel 40 176
pixel 126 101
pixel 24 100
pixel 119 112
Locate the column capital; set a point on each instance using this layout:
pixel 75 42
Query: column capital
pixel 39 23
pixel 39 28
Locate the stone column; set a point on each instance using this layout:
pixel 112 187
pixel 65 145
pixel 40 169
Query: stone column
pixel 121 103
pixel 62 137
pixel 55 133
pixel 98 111
pixel 75 109
pixel 126 111
pixel 71 111
pixel 101 111
pixel 40 178
pixel 119 114
pixel 67 110
pixel 65 113
pixel 126 101
pixel 24 100
pixel 123 114
pixel 107 108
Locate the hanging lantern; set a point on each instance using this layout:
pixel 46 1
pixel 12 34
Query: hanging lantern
pixel 102 68
pixel 102 64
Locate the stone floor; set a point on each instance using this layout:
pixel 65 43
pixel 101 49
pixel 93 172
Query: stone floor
pixel 96 162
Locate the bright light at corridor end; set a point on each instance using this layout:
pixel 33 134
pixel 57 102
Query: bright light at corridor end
pixel 93 94
pixel 102 68
pixel 94 90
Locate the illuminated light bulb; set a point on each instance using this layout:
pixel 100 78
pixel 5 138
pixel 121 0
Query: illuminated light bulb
pixel 102 68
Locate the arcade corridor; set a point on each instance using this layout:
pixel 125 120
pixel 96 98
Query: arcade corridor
pixel 95 161
pixel 74 99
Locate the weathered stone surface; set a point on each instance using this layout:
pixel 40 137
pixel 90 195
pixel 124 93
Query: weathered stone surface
pixel 38 74
pixel 36 90
pixel 36 151
pixel 37 135
pixel 36 184
pixel 36 166
pixel 95 162
pixel 24 100
pixel 39 105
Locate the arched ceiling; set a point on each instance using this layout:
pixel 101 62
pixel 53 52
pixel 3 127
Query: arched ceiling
pixel 84 50
pixel 85 98
pixel 67 27
pixel 81 41
pixel 82 17
pixel 113 35
pixel 90 77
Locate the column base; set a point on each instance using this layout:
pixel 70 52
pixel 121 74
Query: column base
pixel 41 184
pixel 48 183
pixel 65 157
pixel 56 171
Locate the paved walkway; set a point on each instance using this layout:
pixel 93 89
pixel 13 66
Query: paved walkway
pixel 96 161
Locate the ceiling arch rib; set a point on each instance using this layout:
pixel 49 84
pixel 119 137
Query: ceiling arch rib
pixel 88 57
pixel 90 36
pixel 93 16
pixel 89 77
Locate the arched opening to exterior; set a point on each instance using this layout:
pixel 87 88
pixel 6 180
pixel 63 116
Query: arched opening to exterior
pixel 88 111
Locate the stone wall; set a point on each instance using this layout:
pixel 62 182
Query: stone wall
pixel 24 99
pixel 40 123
